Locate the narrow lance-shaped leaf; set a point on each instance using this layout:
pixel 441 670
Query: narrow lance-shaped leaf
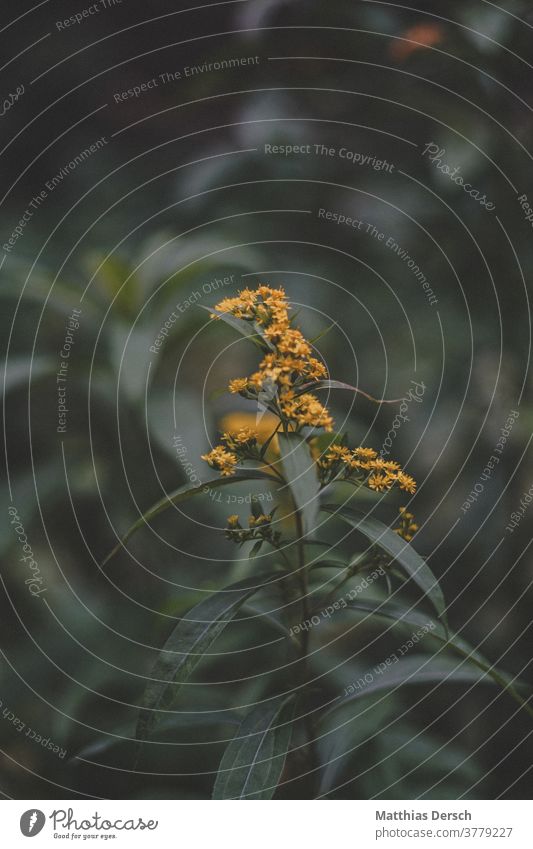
pixel 183 493
pixel 245 328
pixel 400 550
pixel 403 616
pixel 253 762
pixel 300 473
pixel 338 384
pixel 188 642
pixel 422 669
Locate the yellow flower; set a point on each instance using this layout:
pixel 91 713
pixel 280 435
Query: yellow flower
pixel 337 452
pixel 244 437
pixel 233 521
pixel 221 460
pixel 239 384
pixel 380 482
pixel 391 466
pixel 263 427
pixel 287 365
pixel 315 370
pixel 364 453
pixel 407 528
pixel 275 332
pixel 406 482
pixel 306 410
pixel 292 342
pixel 258 521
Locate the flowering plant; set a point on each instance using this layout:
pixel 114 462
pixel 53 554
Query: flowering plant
pixel 301 457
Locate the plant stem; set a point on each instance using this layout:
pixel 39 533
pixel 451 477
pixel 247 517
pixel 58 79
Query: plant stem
pixel 306 613
pixel 273 468
pixel 282 553
pixel 302 575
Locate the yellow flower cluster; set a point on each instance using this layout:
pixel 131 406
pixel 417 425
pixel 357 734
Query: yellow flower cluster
pixel 407 526
pixel 259 530
pixel 378 474
pixel 238 445
pixel 288 363
pixel 221 460
pixel 242 439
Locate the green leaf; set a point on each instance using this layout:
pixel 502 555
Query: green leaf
pixel 422 669
pixel 323 333
pixel 183 493
pixel 324 441
pixel 186 645
pixel 403 616
pixel 300 473
pixel 253 762
pixel 245 328
pixel 18 368
pixel 338 384
pixel 403 553
pixel 122 737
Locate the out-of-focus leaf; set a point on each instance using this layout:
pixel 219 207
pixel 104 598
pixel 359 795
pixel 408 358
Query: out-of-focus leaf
pixel 253 762
pixel 402 616
pixel 18 371
pixel 245 328
pixel 300 473
pixel 124 735
pixel 338 384
pixel 422 669
pixel 406 616
pixel 183 493
pixel 131 356
pixel 116 280
pixel 403 553
pixel 186 645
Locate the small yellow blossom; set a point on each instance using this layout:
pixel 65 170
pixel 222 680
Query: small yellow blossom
pixel 407 527
pixel 406 482
pixel 221 460
pixel 306 410
pixel 365 453
pixel 258 521
pixel 239 384
pixel 337 452
pixel 380 482
pixel 244 437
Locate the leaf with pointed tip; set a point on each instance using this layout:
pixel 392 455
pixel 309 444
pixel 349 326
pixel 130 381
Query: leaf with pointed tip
pixel 253 762
pixel 300 473
pixel 406 616
pixel 188 643
pixel 183 493
pixel 422 669
pixel 338 384
pixel 323 333
pixel 245 328
pixel 403 553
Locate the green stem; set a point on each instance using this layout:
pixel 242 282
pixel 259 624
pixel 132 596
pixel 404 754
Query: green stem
pixel 302 576
pixel 273 468
pixel 282 553
pixel 306 614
